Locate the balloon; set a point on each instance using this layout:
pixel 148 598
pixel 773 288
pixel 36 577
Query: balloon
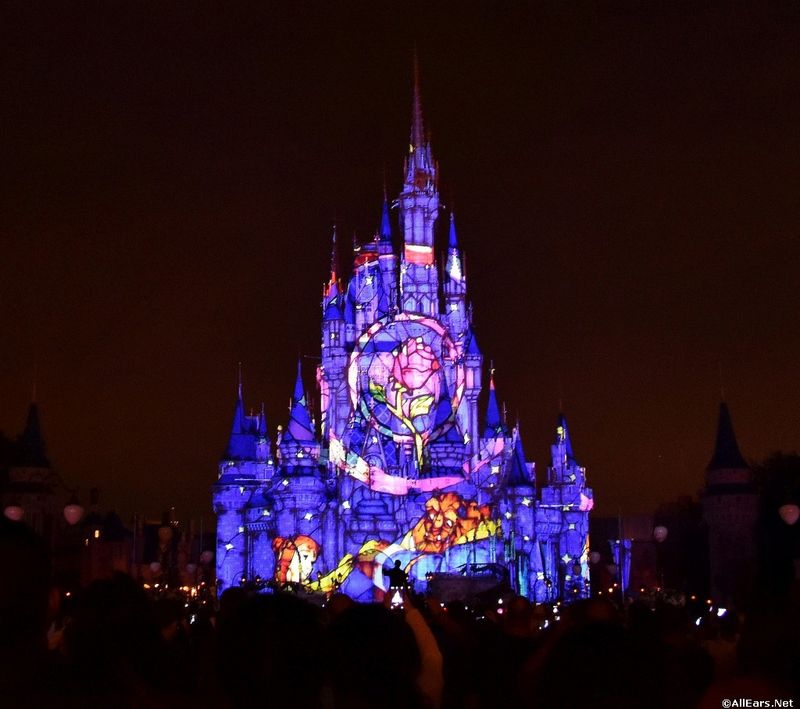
pixel 73 513
pixel 660 533
pixel 594 557
pixel 155 567
pixel 14 512
pixel 789 513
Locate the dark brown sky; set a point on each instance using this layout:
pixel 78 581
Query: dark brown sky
pixel 626 180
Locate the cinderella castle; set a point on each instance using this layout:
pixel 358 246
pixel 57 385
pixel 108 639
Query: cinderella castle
pixel 401 462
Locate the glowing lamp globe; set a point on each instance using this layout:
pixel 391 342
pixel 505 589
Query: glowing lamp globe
pixel 14 512
pixel 594 557
pixel 155 567
pixel 660 533
pixel 73 512
pixel 789 513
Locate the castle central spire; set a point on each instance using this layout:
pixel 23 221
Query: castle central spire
pixel 417 131
pixel 419 209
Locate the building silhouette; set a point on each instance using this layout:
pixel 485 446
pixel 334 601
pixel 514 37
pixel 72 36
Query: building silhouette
pixel 730 509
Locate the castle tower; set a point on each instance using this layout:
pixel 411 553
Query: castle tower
pixel 564 530
pixel 419 209
pixel 31 479
pixel 520 515
pixel 730 508
pixel 244 467
pixel 331 373
pixel 406 469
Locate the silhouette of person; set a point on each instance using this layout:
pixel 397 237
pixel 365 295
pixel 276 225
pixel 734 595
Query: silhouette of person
pixel 397 577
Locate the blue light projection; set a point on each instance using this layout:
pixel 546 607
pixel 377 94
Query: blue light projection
pixel 401 465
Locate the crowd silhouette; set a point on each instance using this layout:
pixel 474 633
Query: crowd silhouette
pixel 114 645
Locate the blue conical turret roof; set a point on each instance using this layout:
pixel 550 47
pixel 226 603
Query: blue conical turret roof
pixel 452 242
pixel 562 436
pixel 518 468
pixel 241 444
pixel 386 224
pixel 472 345
pixel 301 427
pixel 494 423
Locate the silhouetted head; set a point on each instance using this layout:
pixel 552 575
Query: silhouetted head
pixel 374 659
pixel 270 647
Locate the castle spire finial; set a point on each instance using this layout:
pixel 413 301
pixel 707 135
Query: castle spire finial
pixel 453 240
pixel 333 255
pixel 385 230
pixel 560 397
pixel 240 381
pixel 417 130
pixel 33 384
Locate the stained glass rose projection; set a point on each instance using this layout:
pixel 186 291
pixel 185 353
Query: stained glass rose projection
pixel 403 373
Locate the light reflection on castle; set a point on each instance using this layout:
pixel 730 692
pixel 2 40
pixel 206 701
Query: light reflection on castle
pixel 401 466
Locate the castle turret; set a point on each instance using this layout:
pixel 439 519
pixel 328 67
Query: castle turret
pixel 520 518
pixel 730 508
pixel 244 466
pixel 388 262
pixel 494 442
pixel 30 482
pixel 331 372
pixel 455 286
pixel 419 209
pixel 468 411
pixel 33 452
pixel 566 502
pixel 241 442
pixel 298 447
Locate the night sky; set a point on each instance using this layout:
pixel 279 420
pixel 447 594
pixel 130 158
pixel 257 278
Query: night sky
pixel 626 184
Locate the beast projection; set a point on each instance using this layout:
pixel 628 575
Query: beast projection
pixel 409 457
